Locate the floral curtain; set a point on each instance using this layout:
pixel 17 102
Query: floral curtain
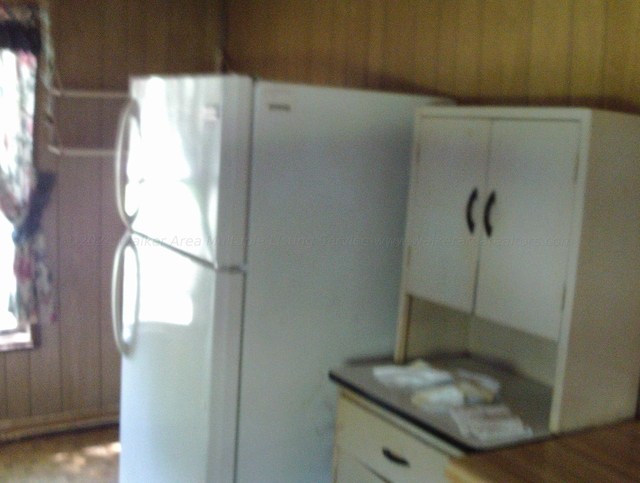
pixel 23 191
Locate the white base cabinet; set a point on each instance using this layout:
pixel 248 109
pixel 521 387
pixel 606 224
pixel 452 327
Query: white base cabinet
pixel 529 218
pixel 347 469
pixel 372 445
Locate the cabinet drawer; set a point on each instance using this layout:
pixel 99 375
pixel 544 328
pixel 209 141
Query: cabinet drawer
pixel 349 470
pixel 386 449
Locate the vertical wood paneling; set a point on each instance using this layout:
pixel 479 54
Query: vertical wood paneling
pixel 79 224
pixel 448 46
pixel 375 63
pixel 491 51
pixel 427 55
pixel 76 24
pixel 269 50
pixel 399 46
pixel 4 390
pixel 319 51
pixel 356 27
pixel 114 54
pixel 19 400
pixel 550 51
pixel 45 380
pixel 214 33
pixel 186 50
pixel 506 48
pixel 266 50
pixel 467 68
pixel 244 51
pixel 621 53
pixel 290 40
pixel 44 370
pixel 156 31
pixel 99 44
pixel 133 17
pixel 341 42
pixel 587 52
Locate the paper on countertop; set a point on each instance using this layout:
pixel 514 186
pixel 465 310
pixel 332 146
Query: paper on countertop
pixel 439 398
pixel 478 388
pixel 416 375
pixel 489 422
pixel 484 380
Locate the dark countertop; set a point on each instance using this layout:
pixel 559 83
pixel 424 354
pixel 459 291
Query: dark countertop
pixel 529 400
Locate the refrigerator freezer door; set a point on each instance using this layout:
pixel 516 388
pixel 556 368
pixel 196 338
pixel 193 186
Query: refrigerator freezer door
pixel 175 372
pixel 328 191
pixel 193 160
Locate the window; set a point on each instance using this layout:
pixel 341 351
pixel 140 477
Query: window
pixel 22 193
pixel 8 321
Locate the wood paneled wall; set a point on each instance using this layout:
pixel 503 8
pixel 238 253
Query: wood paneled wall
pixel 99 44
pixel 551 52
pixel 542 52
pixel 73 377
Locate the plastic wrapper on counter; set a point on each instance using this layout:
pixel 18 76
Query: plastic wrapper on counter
pixel 414 376
pixel 489 422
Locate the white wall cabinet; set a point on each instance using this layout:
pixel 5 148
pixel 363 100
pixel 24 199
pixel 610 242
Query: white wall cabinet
pixel 448 173
pixel 491 200
pixel 530 218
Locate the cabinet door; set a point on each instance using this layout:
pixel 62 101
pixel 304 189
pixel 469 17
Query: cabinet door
pixel 444 217
pixel 523 263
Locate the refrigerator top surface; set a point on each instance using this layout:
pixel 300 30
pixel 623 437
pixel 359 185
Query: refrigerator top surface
pixel 189 158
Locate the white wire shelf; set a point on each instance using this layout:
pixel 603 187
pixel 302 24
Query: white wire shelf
pixel 57 146
pixel 80 152
pixel 89 94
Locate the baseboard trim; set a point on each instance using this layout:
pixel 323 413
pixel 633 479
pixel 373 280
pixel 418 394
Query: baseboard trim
pixel 15 429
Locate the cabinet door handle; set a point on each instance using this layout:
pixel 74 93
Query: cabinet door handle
pixel 487 213
pixel 394 458
pixel 472 199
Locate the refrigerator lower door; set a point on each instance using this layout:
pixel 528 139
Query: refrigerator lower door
pixel 174 368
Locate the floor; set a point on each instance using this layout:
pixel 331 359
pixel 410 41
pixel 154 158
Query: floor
pixel 88 456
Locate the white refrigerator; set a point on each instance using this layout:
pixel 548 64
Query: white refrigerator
pixel 263 247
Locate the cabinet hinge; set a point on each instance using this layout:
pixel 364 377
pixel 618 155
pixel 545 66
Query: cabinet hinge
pixel 408 256
pixel 564 297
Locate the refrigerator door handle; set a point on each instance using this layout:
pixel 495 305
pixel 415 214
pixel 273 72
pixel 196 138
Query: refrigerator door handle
pixel 130 111
pixel 123 345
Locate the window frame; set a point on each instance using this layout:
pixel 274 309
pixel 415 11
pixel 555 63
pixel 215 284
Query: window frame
pixel 23 19
pixel 19 338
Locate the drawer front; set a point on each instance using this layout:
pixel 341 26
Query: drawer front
pixel 349 470
pixel 385 448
